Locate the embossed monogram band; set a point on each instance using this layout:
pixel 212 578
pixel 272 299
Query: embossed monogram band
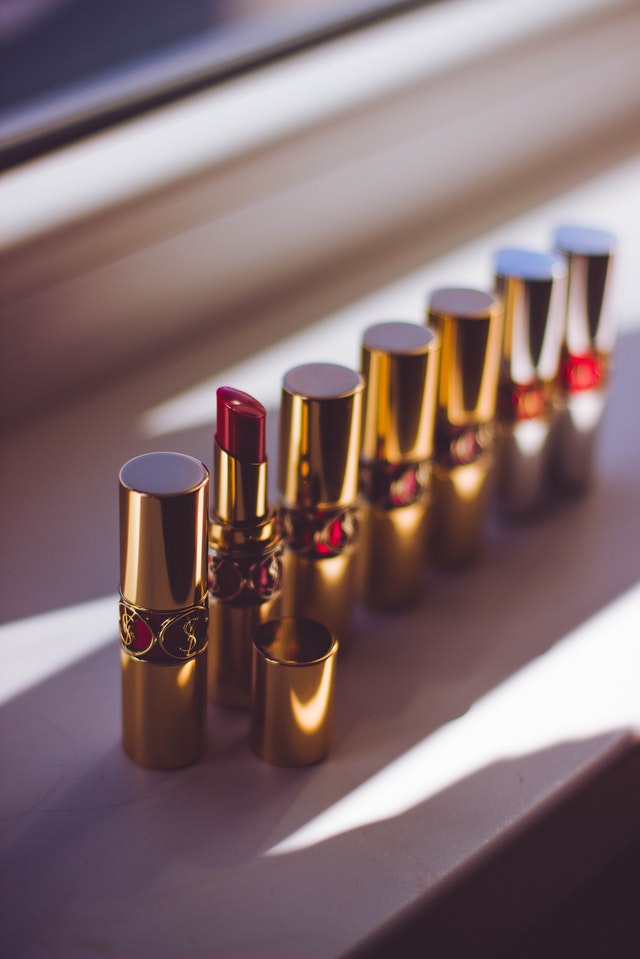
pixel 232 576
pixel 321 533
pixel 391 486
pixel 158 637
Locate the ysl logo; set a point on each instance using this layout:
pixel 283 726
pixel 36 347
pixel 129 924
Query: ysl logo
pixel 189 628
pixel 155 635
pixel 127 632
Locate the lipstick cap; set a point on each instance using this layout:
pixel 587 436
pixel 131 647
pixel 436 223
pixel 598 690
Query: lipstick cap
pixel 590 254
pixel 470 327
pixel 292 691
pixel 399 365
pixel 320 435
pixel 163 610
pixel 163 530
pixel 532 290
pixel 532 286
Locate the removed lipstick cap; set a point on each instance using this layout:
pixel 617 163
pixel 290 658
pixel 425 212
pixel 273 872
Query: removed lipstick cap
pixel 163 608
pixel 320 435
pixel 398 363
pixel 470 327
pixel 292 691
pixel 590 254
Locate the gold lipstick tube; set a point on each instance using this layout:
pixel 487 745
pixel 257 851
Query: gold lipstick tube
pixel 400 369
pixel 589 336
pixel 163 608
pixel 245 574
pixel 470 326
pixel 532 288
pixel 318 477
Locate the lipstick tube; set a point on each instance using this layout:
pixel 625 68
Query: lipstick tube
pixel 318 478
pixel 400 369
pixel 532 287
pixel 470 326
pixel 585 364
pixel 163 608
pixel 245 547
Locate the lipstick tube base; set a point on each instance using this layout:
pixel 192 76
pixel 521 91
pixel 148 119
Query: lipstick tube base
pixel 322 589
pixel 460 498
pixel 394 544
pixel 163 711
pixel 574 440
pixel 522 452
pixel 229 651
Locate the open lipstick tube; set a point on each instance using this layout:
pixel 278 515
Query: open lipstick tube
pixel 245 547
pixel 163 608
pixel 400 369
pixel 589 337
pixel 318 477
pixel 470 326
pixel 532 287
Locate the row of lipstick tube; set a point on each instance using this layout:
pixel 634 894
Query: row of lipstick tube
pixel 379 472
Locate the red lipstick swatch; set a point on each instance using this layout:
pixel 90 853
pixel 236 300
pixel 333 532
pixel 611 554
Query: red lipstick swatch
pixel 240 429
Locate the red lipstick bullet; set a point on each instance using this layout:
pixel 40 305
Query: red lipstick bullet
pixel 245 547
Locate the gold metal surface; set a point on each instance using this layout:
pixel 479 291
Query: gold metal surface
pixel 399 366
pixel 470 327
pixel 163 530
pixel 163 563
pixel 324 589
pixel 532 286
pixel 320 435
pixel 239 489
pixel 163 711
pixel 394 543
pixel 460 502
pixel 589 337
pixel 231 629
pixel 292 698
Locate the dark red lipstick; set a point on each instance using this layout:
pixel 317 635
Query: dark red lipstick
pixel 245 546
pixel 241 425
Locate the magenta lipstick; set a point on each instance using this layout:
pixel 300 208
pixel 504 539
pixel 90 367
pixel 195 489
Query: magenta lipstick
pixel 245 547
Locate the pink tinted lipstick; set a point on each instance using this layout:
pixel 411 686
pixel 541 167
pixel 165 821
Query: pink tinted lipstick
pixel 245 546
